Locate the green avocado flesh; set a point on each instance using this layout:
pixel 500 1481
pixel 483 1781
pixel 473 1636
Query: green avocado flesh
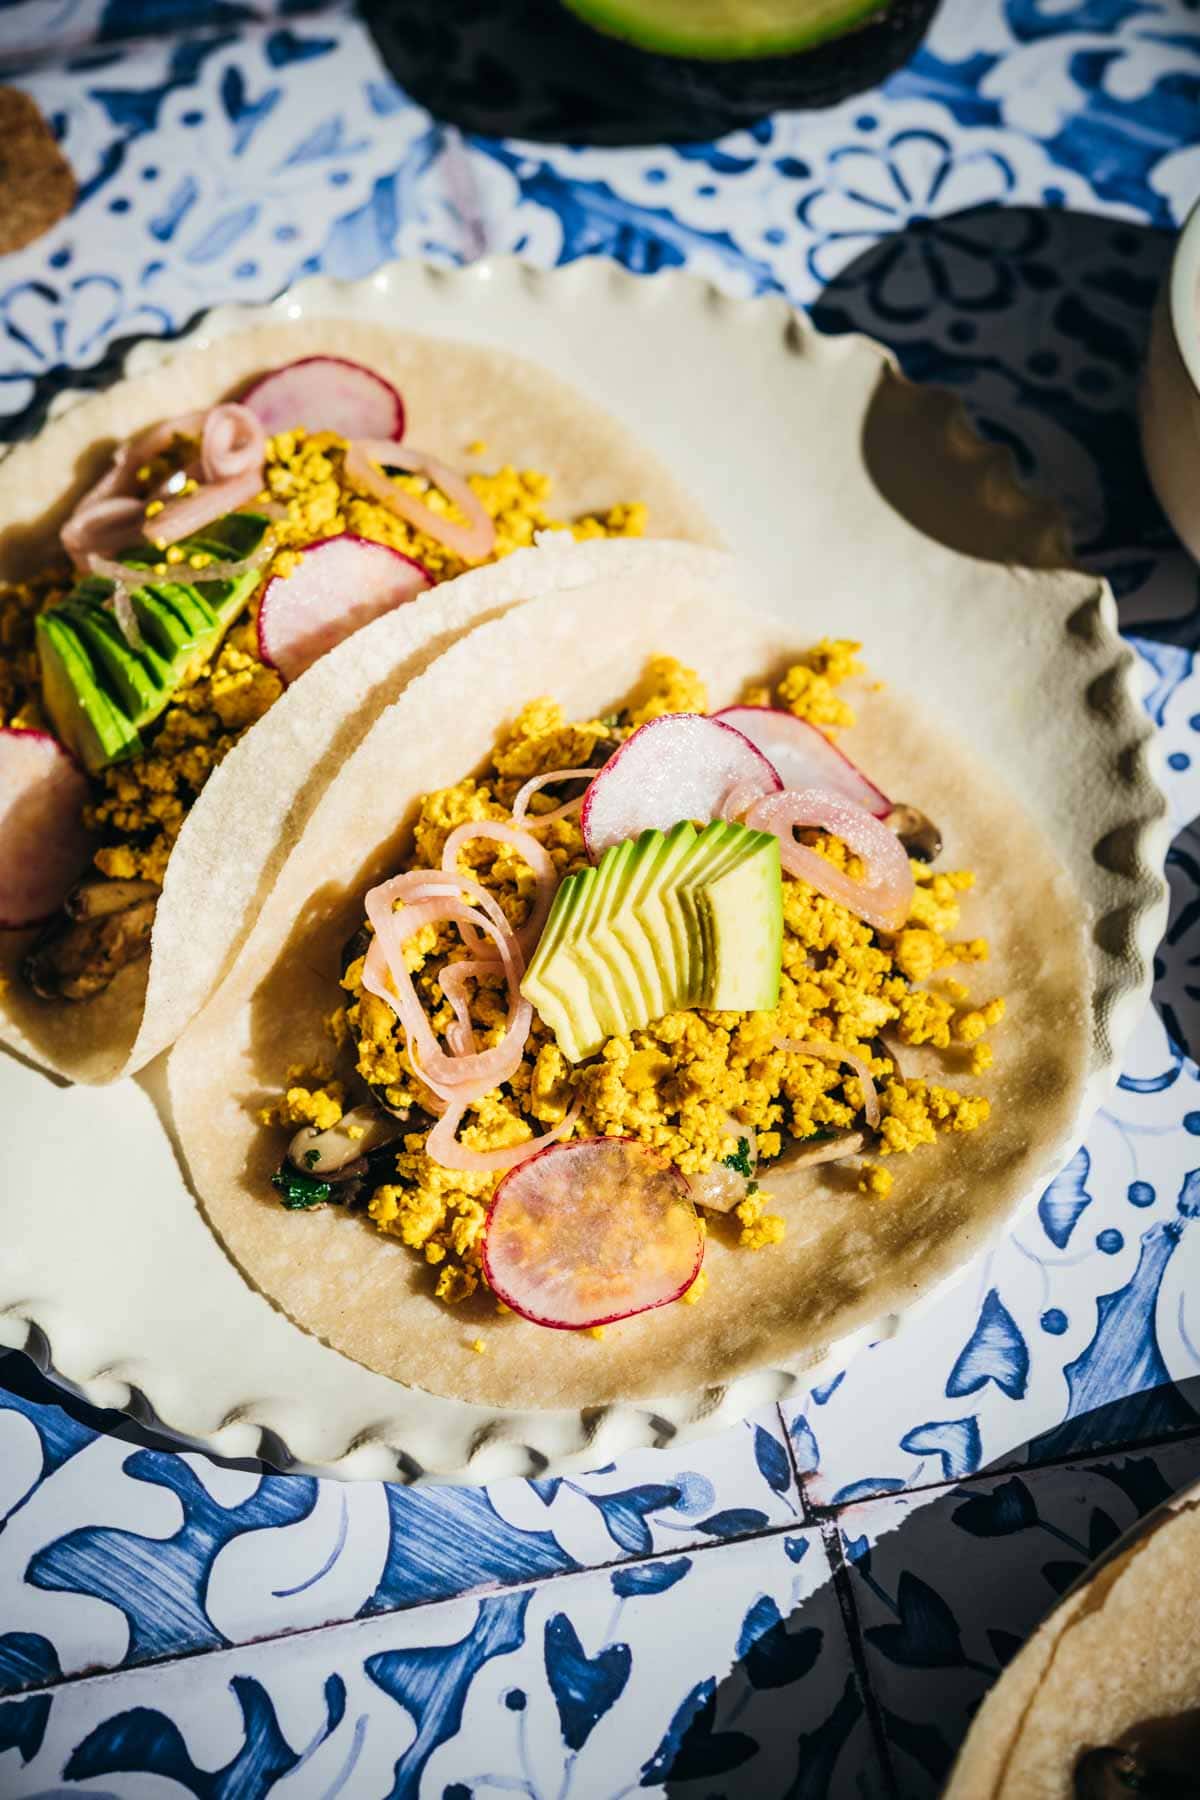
pixel 99 689
pixel 664 922
pixel 726 30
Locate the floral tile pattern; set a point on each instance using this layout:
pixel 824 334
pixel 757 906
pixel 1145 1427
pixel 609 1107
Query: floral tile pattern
pixel 533 1691
pixel 947 1588
pixel 808 1606
pixel 113 1555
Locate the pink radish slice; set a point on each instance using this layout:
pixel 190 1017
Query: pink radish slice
pixel 43 845
pixel 679 766
pixel 587 1233
pixel 804 757
pixel 342 584
pixel 327 393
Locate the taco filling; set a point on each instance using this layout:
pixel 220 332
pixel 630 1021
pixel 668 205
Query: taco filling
pixel 635 970
pixel 222 553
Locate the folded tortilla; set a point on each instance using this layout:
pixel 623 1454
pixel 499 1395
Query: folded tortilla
pixel 249 815
pixel 1117 1664
pixel 846 1260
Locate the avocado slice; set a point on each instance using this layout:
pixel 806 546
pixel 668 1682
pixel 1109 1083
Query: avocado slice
pixel 552 983
pixel 82 714
pixel 743 967
pixel 726 30
pixel 137 679
pixel 161 625
pixel 662 922
pixel 613 986
pixel 99 688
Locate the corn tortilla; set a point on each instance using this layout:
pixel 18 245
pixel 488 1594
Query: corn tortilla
pixel 250 812
pixel 1118 1663
pixel 846 1259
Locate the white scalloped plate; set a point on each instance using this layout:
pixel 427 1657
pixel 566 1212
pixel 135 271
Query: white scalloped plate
pixel 784 436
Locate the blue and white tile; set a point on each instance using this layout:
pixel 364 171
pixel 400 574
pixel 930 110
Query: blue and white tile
pixel 1079 1330
pixel 214 169
pixel 948 1587
pixel 112 1555
pixel 789 1721
pixel 581 1687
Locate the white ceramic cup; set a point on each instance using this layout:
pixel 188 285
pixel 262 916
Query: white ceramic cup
pixel 1169 401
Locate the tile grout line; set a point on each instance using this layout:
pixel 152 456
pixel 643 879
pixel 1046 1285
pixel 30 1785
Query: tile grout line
pixel 831 1539
pixel 394 1612
pixel 816 1512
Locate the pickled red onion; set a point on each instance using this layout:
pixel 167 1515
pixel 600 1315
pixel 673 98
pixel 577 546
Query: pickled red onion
pixel 192 512
pixel 431 896
pixel 453 981
pixel 99 523
pixel 740 798
pixel 233 443
pixel 534 854
pixel 472 541
pixel 828 1052
pixel 94 525
pixel 884 898
pixel 520 806
pixel 443 1146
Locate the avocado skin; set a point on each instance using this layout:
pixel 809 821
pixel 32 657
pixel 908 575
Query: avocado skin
pixel 532 69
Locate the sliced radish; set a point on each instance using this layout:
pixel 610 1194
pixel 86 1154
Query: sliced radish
pixel 327 393
pixel 804 757
pixel 587 1233
pixel 43 845
pixel 342 584
pixel 679 766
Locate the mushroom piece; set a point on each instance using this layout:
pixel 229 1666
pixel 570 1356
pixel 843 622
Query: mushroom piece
pixel 831 1149
pixel 1109 1773
pixel 334 1153
pixel 98 899
pixel 916 831
pixel 75 960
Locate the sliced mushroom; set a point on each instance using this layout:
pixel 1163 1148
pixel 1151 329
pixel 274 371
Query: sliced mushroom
pixel 77 960
pixel 330 1154
pixel 719 1189
pixel 98 899
pixel 831 1149
pixel 917 832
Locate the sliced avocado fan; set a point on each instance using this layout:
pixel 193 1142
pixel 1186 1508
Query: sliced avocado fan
pixel 726 30
pixel 100 690
pixel 664 922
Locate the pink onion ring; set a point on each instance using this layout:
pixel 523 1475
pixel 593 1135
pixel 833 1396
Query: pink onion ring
pixel 520 806
pixel 443 1146
pixel 534 854
pixel 741 798
pixel 96 526
pixel 101 523
pixel 431 896
pixel 821 1047
pixel 192 512
pixel 472 541
pixel 884 898
pixel 453 983
pixel 233 443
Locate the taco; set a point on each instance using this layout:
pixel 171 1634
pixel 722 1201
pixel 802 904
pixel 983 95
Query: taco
pixel 1104 1699
pixel 552 1020
pixel 185 558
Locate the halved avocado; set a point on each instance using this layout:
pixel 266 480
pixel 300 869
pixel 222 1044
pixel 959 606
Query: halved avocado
pixel 726 30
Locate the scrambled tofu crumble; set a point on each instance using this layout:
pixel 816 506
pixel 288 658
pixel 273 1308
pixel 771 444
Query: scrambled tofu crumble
pixel 690 1083
pixel 139 806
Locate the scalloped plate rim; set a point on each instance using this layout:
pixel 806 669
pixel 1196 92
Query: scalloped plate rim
pixel 369 1451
